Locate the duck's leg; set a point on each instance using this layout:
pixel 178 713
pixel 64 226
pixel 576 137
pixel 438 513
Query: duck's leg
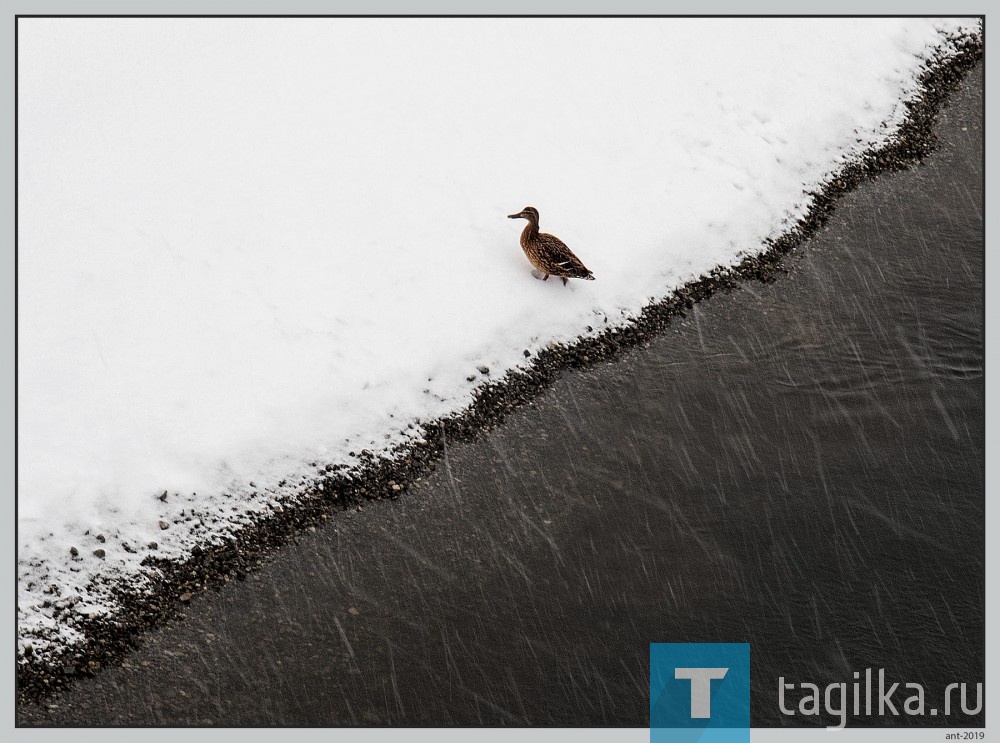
pixel 545 277
pixel 565 280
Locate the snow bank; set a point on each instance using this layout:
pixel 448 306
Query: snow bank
pixel 248 245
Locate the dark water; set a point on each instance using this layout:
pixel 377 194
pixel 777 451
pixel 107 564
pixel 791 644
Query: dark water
pixel 797 465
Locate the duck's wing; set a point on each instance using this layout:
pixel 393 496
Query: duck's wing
pixel 561 259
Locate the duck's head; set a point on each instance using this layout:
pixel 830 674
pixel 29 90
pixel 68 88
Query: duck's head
pixel 529 212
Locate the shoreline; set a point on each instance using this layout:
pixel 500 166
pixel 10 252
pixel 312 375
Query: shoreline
pixel 110 640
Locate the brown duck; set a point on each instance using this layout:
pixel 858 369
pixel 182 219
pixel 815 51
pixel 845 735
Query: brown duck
pixel 548 253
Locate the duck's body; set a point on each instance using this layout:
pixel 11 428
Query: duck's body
pixel 548 253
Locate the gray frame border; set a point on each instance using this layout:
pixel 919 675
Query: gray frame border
pixel 438 7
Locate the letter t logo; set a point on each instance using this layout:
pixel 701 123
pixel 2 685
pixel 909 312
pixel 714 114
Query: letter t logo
pixel 701 688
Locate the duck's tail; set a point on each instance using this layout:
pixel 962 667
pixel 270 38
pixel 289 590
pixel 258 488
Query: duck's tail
pixel 574 269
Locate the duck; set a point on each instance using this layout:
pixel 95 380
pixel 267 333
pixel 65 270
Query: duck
pixel 550 255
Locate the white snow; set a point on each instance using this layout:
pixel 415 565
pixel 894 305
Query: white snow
pixel 248 245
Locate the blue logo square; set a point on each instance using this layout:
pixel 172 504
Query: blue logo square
pixel 699 692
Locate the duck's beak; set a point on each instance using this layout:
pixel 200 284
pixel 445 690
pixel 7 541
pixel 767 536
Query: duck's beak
pixel 515 216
